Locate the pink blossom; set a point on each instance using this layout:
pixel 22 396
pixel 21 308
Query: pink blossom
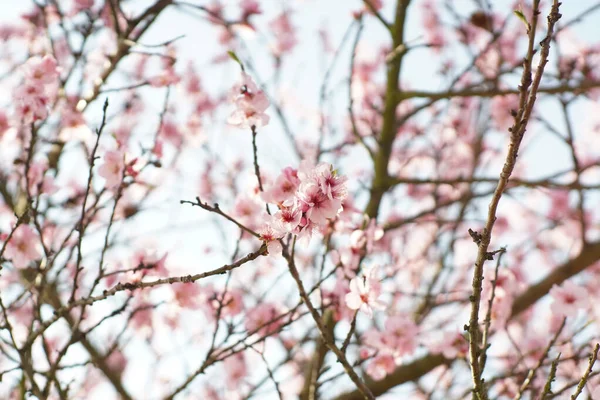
pixel 187 295
pixel 376 4
pixel 271 237
pixel 433 28
pixel 401 333
pixel 231 303
pixel 398 338
pixel 364 293
pixel 331 184
pixel 568 299
pixel 117 361
pixel 166 78
pixel 81 5
pixel 142 317
pixel 287 219
pixel 23 247
pixel 40 71
pixel 73 125
pixel 249 8
pixel 307 198
pixel 236 370
pixel 452 346
pixel 251 103
pixel 284 33
pixel 248 210
pixel 381 366
pixel 150 262
pixel 316 205
pixel 284 187
pixel 366 238
pixel 261 319
pixel 31 103
pixel 169 131
pixel 560 204
pixel 113 168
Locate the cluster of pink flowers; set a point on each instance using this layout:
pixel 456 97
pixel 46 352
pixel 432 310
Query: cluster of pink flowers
pixel 38 89
pixel 387 348
pixel 251 103
pixel 306 199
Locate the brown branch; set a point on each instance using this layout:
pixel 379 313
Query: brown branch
pixel 405 373
pixel 528 90
pixel 586 375
pixel 531 374
pixel 588 256
pixel 514 182
pixel 551 376
pixel 388 130
pixel 120 287
pixel 325 334
pixel 577 88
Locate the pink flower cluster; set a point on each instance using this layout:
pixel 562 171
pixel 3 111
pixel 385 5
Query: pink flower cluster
pixel 251 103
pixel 387 348
pixel 306 198
pixel 38 89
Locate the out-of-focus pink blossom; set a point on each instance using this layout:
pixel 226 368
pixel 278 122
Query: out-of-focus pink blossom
pixel 166 78
pixel 284 188
pixel 187 295
pixel 81 5
pixel 285 35
pixel 381 366
pixel 249 211
pixel 400 334
pixel 249 8
pixel 23 247
pixel 117 361
pixel 40 70
pixel 451 346
pixel 263 319
pixel 398 339
pixel 251 103
pixel 235 369
pixel 230 304
pixel 113 167
pixel 568 299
